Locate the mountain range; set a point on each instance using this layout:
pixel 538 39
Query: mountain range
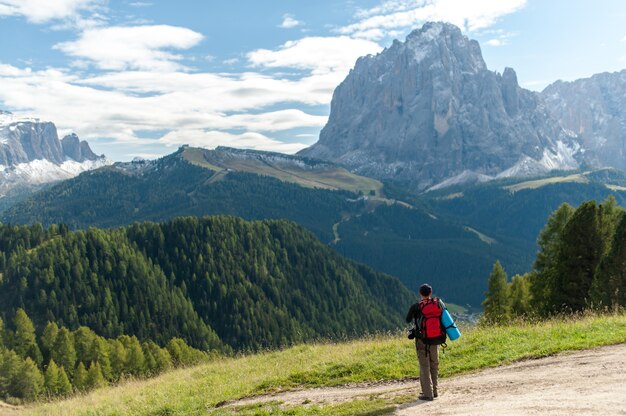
pixel 31 155
pixel 428 113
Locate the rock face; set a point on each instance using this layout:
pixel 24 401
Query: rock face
pixel 428 109
pixel 595 109
pixel 77 150
pixel 31 154
pixel 24 140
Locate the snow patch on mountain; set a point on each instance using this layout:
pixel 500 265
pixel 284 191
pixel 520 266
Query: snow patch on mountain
pixel 562 157
pixel 467 177
pixel 41 171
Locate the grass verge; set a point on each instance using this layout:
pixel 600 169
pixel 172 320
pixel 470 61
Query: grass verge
pixel 199 389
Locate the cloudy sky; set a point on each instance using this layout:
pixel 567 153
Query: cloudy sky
pixel 140 78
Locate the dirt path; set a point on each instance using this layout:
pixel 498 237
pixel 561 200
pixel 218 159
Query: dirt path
pixel 589 382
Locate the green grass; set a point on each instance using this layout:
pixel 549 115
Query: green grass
pixel 198 390
pixel 330 178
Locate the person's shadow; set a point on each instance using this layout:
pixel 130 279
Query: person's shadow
pixel 411 404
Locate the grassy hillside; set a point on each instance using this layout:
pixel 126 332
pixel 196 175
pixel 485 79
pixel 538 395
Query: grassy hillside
pixel 294 169
pixel 199 390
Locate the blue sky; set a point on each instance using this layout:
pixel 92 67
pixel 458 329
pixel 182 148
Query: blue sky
pixel 141 77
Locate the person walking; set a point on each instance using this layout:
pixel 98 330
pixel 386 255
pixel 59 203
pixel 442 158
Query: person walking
pixel 429 334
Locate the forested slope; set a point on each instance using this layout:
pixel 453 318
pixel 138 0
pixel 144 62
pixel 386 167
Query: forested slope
pixel 208 280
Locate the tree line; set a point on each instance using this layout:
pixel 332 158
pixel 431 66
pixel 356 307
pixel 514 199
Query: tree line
pixel 580 264
pixel 57 362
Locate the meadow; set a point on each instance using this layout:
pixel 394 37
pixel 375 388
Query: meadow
pixel 203 389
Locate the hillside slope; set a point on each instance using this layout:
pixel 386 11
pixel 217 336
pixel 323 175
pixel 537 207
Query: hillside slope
pixel 364 227
pixel 211 281
pixel 366 375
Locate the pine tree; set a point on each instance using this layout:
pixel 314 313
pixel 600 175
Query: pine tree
pixel 95 379
pixel 578 257
pixel 63 352
pixel 609 283
pixel 545 266
pixel 30 381
pixel 10 367
pixel 519 293
pixel 135 360
pixel 24 340
pixel 117 355
pixel 80 377
pixel 1 333
pixel 609 215
pixel 47 339
pixel 101 353
pixel 51 379
pixel 83 344
pixel 496 304
pixel 64 387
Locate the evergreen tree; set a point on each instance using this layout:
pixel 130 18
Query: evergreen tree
pixel 64 387
pixel 519 294
pixel 84 339
pixel 10 367
pixel 1 333
pixel 609 215
pixel 577 260
pixel 101 353
pixel 29 382
pixel 47 339
pixel 24 340
pixel 95 379
pixel 496 305
pixel 80 377
pixel 543 279
pixel 63 352
pixel 51 379
pixel 117 355
pixel 609 283
pixel 135 360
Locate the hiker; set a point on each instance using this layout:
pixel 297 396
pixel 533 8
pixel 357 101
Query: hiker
pixel 429 334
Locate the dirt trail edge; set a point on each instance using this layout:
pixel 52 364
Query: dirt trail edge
pixel 589 382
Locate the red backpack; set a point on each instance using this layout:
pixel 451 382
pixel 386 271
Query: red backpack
pixel 431 331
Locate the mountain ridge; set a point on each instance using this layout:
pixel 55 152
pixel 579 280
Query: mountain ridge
pixel 31 156
pixel 428 109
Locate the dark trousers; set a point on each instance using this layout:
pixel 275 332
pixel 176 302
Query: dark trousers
pixel 428 358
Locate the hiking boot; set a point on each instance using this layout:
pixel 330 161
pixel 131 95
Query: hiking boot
pixel 435 395
pixel 426 398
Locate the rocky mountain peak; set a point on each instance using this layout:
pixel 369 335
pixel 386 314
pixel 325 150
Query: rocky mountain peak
pixel 76 149
pixel 595 109
pixel 31 155
pixel 428 109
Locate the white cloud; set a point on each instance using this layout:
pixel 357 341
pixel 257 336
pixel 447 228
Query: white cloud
pixel 213 138
pixel 624 39
pixel 40 11
pixel 289 22
pixel 392 15
pixel 495 42
pixel 110 106
pixel 132 47
pixel 321 55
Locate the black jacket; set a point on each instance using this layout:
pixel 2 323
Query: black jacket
pixel 415 312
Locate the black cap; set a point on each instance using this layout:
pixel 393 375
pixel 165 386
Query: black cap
pixel 426 289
